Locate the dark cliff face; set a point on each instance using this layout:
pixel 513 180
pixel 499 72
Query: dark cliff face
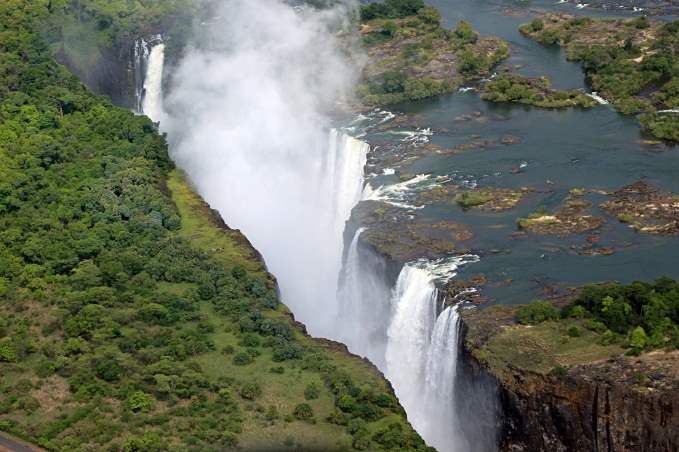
pixel 580 413
pixel 622 404
pixel 112 75
pixel 476 401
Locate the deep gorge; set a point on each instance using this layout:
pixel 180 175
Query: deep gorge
pixel 406 232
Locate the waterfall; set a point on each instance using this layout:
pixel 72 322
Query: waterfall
pixel 409 336
pixel 141 55
pixel 248 122
pixel 441 428
pixel 364 302
pixel 422 350
pixel 152 93
pixel 345 161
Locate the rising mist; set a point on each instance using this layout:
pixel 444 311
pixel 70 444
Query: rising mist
pixel 248 120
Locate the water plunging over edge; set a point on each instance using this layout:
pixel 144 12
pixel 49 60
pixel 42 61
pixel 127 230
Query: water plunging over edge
pixel 415 347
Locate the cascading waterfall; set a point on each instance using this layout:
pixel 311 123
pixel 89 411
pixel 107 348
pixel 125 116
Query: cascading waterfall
pixel 409 336
pixel 421 355
pixel 152 93
pixel 345 162
pixel 441 429
pixel 364 303
pixel 141 55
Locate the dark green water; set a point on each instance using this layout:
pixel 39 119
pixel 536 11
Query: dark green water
pixel 557 151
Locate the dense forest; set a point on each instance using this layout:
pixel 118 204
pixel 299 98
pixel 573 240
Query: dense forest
pixel 131 317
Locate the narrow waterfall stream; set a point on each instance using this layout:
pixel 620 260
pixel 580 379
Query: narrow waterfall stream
pixel 275 168
pixel 152 102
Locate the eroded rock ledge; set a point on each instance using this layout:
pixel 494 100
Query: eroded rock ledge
pixel 614 403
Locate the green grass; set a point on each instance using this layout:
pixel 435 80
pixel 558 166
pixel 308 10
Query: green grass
pixel 543 347
pixel 198 226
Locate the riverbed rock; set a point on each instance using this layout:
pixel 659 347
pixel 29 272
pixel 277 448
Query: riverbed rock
pixel 402 237
pixel 646 208
pixel 573 218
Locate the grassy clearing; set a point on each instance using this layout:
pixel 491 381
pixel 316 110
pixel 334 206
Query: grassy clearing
pixel 542 348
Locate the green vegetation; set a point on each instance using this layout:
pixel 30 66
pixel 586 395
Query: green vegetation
pixel 648 314
pixel 633 63
pixel 131 317
pixel 533 91
pixel 391 9
pixel 600 322
pixel 414 57
pixel 640 315
pixel 473 198
pixel 536 312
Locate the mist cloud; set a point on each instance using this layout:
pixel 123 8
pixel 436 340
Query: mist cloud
pixel 248 120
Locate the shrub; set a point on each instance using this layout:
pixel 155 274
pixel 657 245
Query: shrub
pixel 303 412
pixel 383 400
pixel 607 338
pixel 578 312
pixel 148 442
pixel 536 312
pixel 242 359
pixel 537 25
pixel 558 371
pixel 311 392
pixel 139 402
pixel 638 340
pixel 346 403
pixel 574 331
pixel 430 15
pixel 250 340
pixel 286 351
pixel 8 352
pixel 596 325
pixel 367 411
pixel 473 198
pixel 251 391
pixel 466 33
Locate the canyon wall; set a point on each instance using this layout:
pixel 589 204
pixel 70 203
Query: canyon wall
pixel 622 404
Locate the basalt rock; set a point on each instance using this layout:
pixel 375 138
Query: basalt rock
pixel 622 403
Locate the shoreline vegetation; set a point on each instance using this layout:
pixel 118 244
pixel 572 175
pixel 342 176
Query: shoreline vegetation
pixel 632 63
pixel 411 56
pixel 535 92
pixel 131 317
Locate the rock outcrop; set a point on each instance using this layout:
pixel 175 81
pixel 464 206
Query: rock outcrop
pixel 623 403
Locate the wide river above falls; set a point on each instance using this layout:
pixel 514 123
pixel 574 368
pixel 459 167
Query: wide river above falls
pixel 555 151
